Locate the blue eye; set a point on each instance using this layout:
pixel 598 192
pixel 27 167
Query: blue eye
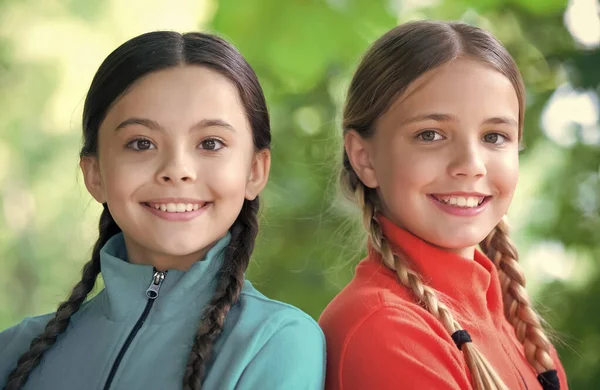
pixel 140 144
pixel 211 144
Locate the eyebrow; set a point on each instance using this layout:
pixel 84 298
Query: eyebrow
pixel 153 125
pixel 497 120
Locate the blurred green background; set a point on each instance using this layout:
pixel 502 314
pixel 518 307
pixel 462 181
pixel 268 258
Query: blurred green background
pixel 304 52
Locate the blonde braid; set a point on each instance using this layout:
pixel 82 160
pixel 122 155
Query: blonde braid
pixel 517 307
pixel 484 377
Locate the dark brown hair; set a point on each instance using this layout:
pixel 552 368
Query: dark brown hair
pixel 389 66
pixel 134 59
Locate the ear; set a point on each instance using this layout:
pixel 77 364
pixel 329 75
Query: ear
pixel 359 153
pixel 93 179
pixel 259 174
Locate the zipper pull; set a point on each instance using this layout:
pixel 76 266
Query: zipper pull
pixel 157 279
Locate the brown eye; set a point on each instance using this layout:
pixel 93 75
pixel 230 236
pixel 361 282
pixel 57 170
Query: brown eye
pixel 140 144
pixel 144 144
pixel 211 144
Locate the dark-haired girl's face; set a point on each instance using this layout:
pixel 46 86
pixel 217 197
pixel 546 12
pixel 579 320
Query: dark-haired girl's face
pixel 175 162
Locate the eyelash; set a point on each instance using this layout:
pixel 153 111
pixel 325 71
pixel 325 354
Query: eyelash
pixel 504 136
pixel 217 140
pixel 131 143
pixel 506 139
pixel 426 132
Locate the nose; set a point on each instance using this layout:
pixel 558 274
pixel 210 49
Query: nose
pixel 176 167
pixel 468 160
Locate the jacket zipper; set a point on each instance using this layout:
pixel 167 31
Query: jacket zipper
pixel 152 294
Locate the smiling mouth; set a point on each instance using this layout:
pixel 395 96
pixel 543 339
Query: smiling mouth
pixel 176 207
pixel 461 201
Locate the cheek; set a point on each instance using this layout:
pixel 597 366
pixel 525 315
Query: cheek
pixel 227 177
pixel 398 176
pixel 404 170
pixel 122 176
pixel 120 172
pixel 504 173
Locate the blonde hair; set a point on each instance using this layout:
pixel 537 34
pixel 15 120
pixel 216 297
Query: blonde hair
pixel 388 67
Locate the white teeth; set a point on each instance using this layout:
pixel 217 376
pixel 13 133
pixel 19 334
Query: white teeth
pixel 176 207
pixel 462 201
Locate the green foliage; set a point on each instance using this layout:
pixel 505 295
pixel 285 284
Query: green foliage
pixel 86 9
pixel 304 52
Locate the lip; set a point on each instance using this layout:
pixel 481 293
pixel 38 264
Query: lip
pixel 170 216
pixel 175 200
pixel 471 194
pixel 461 211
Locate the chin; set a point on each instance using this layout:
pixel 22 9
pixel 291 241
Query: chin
pixel 181 249
pixel 459 239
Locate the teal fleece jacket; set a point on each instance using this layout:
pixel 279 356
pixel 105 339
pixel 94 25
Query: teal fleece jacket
pixel 264 345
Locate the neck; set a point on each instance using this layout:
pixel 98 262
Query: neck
pixel 137 254
pixel 467 253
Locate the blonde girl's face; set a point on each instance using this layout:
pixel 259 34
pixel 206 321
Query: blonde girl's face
pixel 176 160
pixel 444 157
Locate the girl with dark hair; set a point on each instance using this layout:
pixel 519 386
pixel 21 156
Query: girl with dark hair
pixel 176 140
pixel 432 126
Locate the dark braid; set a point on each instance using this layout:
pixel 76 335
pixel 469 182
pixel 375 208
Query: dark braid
pixel 231 279
pixel 57 325
pixel 134 59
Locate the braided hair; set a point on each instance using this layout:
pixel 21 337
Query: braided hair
pixel 390 65
pixel 131 61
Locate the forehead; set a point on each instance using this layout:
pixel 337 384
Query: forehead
pixel 181 94
pixel 465 88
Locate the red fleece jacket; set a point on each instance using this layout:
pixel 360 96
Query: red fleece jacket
pixel 379 338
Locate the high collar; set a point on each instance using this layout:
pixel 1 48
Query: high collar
pixel 180 292
pixel 472 286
